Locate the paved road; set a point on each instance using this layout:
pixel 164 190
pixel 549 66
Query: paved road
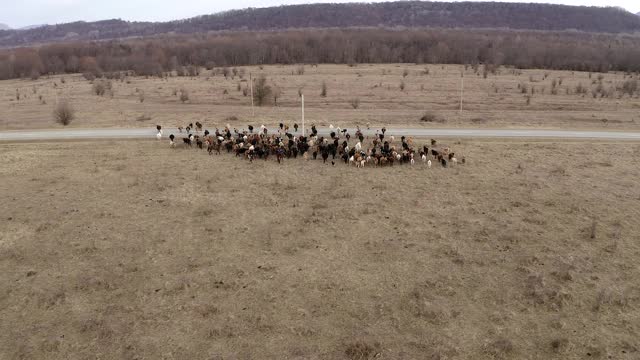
pixel 66 134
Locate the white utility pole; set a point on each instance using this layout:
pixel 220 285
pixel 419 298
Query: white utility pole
pixel 302 114
pixel 253 113
pixel 461 90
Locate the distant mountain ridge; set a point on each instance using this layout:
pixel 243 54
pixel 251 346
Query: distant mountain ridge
pixel 411 14
pixel 4 27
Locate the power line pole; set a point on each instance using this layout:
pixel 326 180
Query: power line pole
pixel 253 113
pixel 461 90
pixel 302 114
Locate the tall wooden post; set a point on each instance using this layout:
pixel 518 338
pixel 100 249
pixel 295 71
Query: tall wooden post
pixel 461 91
pixel 302 114
pixel 253 113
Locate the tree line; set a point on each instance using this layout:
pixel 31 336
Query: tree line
pixel 157 56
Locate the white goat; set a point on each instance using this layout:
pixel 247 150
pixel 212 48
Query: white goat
pixel 429 164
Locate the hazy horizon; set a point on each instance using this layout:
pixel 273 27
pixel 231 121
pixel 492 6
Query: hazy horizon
pixel 38 12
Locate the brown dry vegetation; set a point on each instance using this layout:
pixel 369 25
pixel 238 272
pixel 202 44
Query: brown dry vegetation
pixel 133 250
pixel 510 98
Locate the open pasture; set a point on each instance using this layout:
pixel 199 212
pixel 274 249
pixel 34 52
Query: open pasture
pixel 131 250
pixel 392 95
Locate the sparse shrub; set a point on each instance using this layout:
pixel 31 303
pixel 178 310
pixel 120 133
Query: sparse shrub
pixel 630 86
pixel 402 85
pixel 581 89
pixel 174 92
pixel 143 117
pixel 225 92
pixel 239 87
pixel 89 76
pixel 426 70
pixel 234 71
pixel 499 348
pixel 225 72
pixel 558 345
pixel 355 103
pixel 361 351
pixel 64 113
pixel 232 118
pixel 184 95
pixel 431 117
pixel 523 88
pixel 300 70
pixel 276 92
pixel 261 91
pixel 245 91
pixel 102 87
pixel 405 73
pixel 528 100
pixel 35 74
pixel 141 96
pixel 323 93
pixel 62 80
pixel 192 71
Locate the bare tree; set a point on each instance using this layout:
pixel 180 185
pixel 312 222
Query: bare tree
pixel 184 95
pixel 276 92
pixel 261 91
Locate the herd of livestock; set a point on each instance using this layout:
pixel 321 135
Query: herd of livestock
pixel 380 150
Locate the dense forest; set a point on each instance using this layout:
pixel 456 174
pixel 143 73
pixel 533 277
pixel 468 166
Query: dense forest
pixel 408 14
pixel 158 56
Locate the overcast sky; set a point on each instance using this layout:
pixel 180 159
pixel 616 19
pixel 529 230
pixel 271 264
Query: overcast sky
pixel 19 13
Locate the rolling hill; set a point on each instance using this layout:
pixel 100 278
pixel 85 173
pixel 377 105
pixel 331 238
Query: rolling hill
pixel 409 14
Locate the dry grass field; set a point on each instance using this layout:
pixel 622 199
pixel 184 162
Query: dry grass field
pixel 495 101
pixel 132 250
